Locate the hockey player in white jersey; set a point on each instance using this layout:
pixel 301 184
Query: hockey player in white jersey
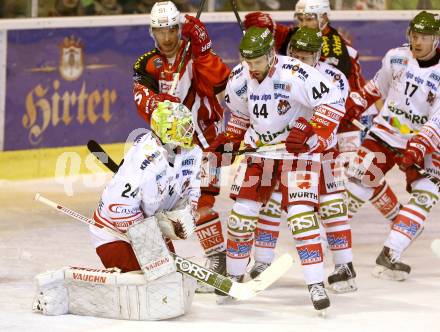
pixel 409 82
pixel 160 173
pixel 151 196
pixel 276 99
pixel 305 45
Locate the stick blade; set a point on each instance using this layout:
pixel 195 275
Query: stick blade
pixel 435 247
pixel 244 291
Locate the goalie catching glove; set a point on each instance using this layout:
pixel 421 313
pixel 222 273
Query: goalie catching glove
pixel 177 224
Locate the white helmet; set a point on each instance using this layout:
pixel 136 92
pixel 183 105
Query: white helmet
pixel 318 8
pixel 299 6
pixel 164 14
pixel 299 9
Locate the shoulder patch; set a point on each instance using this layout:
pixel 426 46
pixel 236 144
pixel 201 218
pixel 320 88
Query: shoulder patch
pixel 142 60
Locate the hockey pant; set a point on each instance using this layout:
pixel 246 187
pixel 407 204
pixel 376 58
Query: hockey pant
pixel 299 196
pixel 367 172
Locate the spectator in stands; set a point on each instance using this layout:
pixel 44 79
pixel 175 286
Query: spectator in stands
pixel 413 4
pixel 13 8
pixel 60 8
pixel 144 6
pixel 107 7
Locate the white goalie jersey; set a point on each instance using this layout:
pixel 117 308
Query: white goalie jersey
pixel 290 90
pixel 151 179
pixel 411 99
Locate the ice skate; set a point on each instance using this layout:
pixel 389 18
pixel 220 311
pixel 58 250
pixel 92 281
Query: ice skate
pixel 342 279
pixel 319 297
pixel 257 269
pixel 389 266
pixel 216 263
pixel 223 298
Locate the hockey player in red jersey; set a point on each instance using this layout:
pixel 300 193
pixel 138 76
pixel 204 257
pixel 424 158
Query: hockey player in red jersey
pixel 202 76
pixel 409 123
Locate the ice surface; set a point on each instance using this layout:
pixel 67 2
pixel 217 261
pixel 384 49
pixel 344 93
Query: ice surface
pixel 34 238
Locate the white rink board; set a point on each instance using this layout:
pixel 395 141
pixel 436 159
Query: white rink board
pixel 34 238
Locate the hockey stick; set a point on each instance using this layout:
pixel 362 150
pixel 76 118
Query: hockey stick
pixel 267 148
pixel 241 291
pixel 419 169
pixel 96 149
pixel 176 75
pixel 237 16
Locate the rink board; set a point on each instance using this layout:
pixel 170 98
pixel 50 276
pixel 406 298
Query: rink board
pixel 76 85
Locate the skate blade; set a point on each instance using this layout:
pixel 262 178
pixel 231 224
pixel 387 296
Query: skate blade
pixel 384 273
pixel 225 300
pixel 322 313
pixel 344 286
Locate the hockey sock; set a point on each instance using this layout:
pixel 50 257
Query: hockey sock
pixel 304 226
pixel 334 218
pixel 242 222
pixel 386 201
pixel 268 229
pixel 411 218
pixel 357 195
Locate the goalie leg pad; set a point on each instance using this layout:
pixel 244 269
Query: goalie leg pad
pixel 111 294
pixel 150 249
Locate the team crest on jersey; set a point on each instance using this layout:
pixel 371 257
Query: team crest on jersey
pixel 72 59
pixel 157 62
pixel 283 107
pixel 431 98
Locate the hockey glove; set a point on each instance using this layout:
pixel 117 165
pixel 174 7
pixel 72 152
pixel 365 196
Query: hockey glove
pixel 298 136
pixel 222 146
pixel 415 151
pixel 195 31
pixel 154 99
pixel 258 19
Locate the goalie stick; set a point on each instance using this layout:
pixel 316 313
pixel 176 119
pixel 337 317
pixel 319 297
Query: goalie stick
pixel 241 291
pixel 419 169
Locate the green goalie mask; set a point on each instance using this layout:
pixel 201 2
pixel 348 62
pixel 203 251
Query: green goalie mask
pixel 172 123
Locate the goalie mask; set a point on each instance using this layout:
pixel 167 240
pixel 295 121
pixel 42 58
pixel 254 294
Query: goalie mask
pixel 423 35
pixel 173 124
pixel 305 45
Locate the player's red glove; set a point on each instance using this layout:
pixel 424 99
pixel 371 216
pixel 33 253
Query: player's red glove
pixel 298 136
pixel 258 19
pixel 153 99
pixel 222 146
pixel 196 32
pixel 415 151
